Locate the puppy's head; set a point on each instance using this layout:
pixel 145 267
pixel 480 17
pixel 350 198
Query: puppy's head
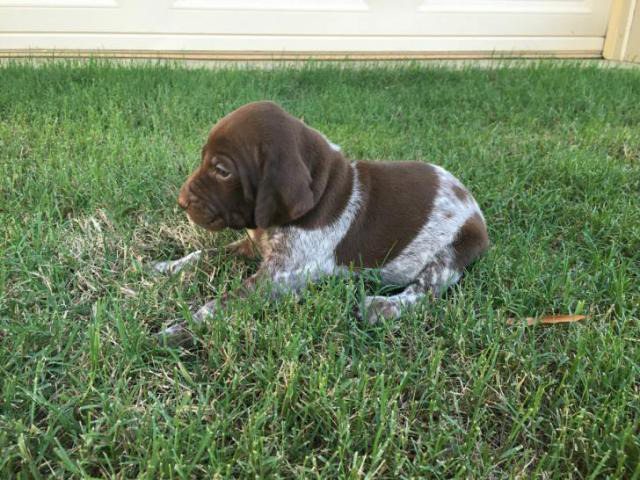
pixel 254 171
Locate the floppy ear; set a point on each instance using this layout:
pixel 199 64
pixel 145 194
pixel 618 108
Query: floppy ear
pixel 284 191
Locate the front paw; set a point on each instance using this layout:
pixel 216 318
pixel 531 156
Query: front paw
pixel 379 308
pixel 177 335
pixel 206 311
pixel 175 266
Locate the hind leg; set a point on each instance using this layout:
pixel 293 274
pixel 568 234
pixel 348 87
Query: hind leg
pixel 432 280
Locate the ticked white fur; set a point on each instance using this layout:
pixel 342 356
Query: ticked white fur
pixel 295 256
pixel 447 216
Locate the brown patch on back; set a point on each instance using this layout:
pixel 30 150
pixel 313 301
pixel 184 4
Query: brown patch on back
pixel 397 199
pixel 471 242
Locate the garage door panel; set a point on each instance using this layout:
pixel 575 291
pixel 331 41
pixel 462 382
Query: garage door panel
pixel 177 20
pixel 306 25
pixel 268 5
pixel 25 5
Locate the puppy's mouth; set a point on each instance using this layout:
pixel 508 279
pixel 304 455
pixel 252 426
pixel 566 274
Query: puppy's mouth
pixel 214 224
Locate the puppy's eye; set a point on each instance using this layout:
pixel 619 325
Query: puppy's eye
pixel 221 171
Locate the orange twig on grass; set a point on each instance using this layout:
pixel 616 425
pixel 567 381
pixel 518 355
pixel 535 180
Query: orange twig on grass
pixel 548 319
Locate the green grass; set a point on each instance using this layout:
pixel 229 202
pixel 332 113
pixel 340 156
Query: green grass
pixel 91 157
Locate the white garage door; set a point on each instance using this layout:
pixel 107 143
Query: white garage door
pixel 290 27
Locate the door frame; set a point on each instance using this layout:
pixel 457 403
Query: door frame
pixel 623 33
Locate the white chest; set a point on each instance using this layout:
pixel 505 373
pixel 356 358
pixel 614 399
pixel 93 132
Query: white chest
pixel 293 250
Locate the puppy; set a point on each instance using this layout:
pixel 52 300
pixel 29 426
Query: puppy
pixel 311 213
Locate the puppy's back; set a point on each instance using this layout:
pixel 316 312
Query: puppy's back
pixel 396 201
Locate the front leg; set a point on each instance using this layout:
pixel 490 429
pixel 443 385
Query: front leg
pixel 243 248
pixel 276 282
pixel 180 334
pixel 250 247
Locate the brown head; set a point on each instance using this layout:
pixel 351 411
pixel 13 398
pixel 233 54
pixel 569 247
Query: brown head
pixel 256 170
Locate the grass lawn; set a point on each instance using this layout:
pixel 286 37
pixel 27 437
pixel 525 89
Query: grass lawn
pixel 91 157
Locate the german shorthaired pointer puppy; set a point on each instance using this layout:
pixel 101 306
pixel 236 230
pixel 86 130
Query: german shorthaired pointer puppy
pixel 311 213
